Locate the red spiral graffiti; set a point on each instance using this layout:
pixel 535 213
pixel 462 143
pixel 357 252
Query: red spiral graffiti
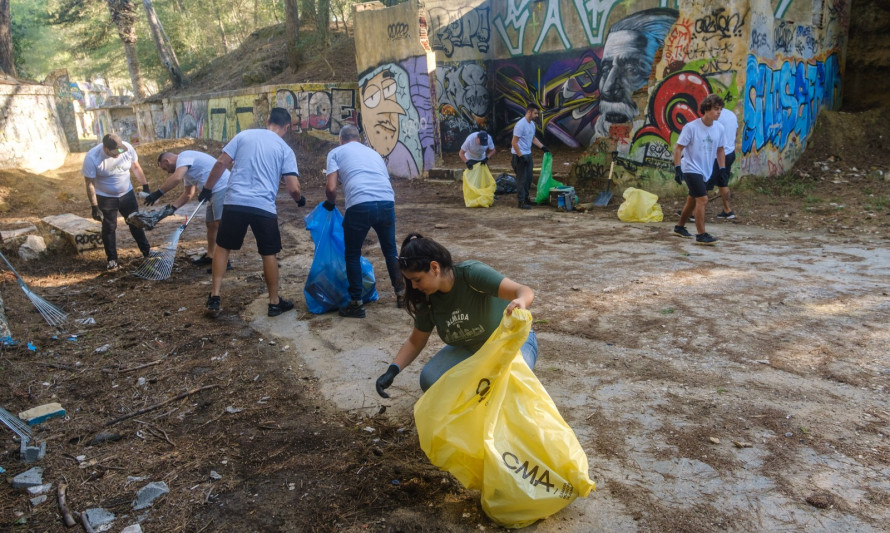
pixel 674 104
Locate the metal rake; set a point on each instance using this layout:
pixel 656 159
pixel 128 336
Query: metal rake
pixel 53 315
pixel 159 264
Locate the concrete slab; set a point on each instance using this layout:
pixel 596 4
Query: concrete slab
pixel 7 235
pixel 84 234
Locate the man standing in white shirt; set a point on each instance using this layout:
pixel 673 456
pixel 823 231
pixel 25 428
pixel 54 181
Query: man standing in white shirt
pixel 370 203
pixel 730 125
pixel 477 148
pixel 106 170
pixel 261 161
pixel 699 144
pixel 521 148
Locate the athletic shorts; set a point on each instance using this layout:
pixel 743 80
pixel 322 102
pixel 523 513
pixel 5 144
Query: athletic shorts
pixel 233 227
pixel 696 184
pixel 716 179
pixel 215 207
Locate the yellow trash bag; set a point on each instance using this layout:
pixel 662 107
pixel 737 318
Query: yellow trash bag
pixel 489 422
pixel 479 186
pixel 639 206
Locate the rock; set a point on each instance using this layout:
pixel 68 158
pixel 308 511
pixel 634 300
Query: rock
pixel 714 440
pixel 215 476
pixel 38 500
pixel 10 234
pixel 742 444
pixel 33 247
pixel 28 478
pixel 98 516
pixel 41 413
pixel 148 494
pixel 102 349
pixel 40 489
pixel 135 528
pixel 820 500
pixel 83 233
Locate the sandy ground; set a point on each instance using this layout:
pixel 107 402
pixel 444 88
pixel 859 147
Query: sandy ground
pixel 738 387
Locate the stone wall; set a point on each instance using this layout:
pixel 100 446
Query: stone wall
pixel 31 136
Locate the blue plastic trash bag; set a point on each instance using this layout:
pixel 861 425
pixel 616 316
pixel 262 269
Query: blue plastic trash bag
pixel 326 287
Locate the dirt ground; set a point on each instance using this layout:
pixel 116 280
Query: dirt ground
pixel 741 387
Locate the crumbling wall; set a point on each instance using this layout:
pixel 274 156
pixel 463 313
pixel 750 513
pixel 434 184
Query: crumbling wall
pixel 31 136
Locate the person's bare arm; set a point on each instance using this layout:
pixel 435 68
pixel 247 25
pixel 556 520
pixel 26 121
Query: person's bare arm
pixel 292 182
pixel 91 191
pixel 223 162
pixel 490 153
pixel 412 348
pixel 678 154
pixel 463 155
pixel 330 189
pixel 515 144
pixel 137 171
pixel 517 294
pixel 174 180
pixel 184 198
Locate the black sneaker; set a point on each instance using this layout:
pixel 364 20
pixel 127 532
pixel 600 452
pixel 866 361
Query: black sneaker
pixel 705 239
pixel 726 216
pixel 212 308
pixel 523 205
pixel 282 306
pixel 355 309
pixel 228 267
pixel 203 260
pixel 680 231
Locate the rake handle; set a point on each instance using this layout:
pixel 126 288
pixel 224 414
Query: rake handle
pixel 17 277
pixel 189 219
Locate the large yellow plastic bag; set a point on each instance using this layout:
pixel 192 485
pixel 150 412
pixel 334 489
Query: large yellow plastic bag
pixel 479 186
pixel 490 423
pixel 639 206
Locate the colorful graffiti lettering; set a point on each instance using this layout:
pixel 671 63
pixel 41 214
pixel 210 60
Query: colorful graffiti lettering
pixel 461 89
pixel 397 115
pixel 673 105
pixel 320 110
pixel 460 28
pixel 677 42
pixel 784 101
pixel 719 24
pixel 191 115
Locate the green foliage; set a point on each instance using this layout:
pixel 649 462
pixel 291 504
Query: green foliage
pixel 788 184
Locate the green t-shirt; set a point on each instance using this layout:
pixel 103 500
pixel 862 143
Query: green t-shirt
pixel 469 313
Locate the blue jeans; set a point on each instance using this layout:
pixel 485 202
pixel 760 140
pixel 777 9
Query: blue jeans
pixel 357 221
pixel 449 356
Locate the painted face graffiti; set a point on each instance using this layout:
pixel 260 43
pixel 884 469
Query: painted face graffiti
pixel 381 111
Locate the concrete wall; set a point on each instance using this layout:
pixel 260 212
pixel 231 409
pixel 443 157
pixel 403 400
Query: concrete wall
pixel 31 136
pixel 622 75
pixel 396 97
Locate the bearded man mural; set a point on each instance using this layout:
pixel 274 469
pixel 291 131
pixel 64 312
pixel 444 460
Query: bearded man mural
pixel 627 63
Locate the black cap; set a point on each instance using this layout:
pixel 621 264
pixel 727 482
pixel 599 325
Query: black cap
pixel 483 137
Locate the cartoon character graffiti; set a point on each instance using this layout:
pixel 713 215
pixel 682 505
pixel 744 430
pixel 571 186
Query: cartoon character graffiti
pixel 627 63
pixel 386 111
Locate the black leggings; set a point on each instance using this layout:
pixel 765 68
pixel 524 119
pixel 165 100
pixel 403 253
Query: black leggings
pixel 110 207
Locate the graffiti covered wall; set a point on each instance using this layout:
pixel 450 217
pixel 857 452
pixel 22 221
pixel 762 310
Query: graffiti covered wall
pixel 31 136
pixel 395 92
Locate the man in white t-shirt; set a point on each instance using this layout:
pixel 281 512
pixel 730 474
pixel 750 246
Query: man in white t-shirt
pixel 477 148
pixel 699 144
pixel 730 124
pixel 370 203
pixel 106 170
pixel 259 160
pixel 191 168
pixel 521 148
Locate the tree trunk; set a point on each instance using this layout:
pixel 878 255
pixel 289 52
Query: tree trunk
pixel 323 20
pixel 307 8
pixel 292 33
pixel 123 15
pixel 7 55
pixel 162 42
pixel 219 24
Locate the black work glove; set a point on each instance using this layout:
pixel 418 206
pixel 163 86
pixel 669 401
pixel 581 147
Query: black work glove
pixel 167 211
pixel 329 205
pixel 206 195
pixel 97 213
pixel 545 149
pixel 145 188
pixel 302 201
pixel 485 161
pixel 470 163
pixel 678 175
pixel 384 381
pixel 153 197
pixel 724 173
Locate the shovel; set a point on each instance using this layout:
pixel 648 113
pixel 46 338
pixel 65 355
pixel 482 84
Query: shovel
pixel 603 198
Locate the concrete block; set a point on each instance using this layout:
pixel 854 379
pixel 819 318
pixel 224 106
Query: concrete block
pixel 28 478
pixel 38 500
pixel 148 494
pixel 40 489
pixel 7 235
pixel 98 516
pixel 41 413
pixel 32 454
pixel 33 247
pixel 449 174
pixel 84 234
pixel 135 528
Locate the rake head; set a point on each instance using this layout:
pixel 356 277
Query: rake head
pixel 159 264
pixel 53 315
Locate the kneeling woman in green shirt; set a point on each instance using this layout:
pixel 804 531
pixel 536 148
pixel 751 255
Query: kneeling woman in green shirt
pixel 464 302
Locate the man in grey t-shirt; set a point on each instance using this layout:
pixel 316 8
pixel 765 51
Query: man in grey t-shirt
pixel 261 160
pixel 370 203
